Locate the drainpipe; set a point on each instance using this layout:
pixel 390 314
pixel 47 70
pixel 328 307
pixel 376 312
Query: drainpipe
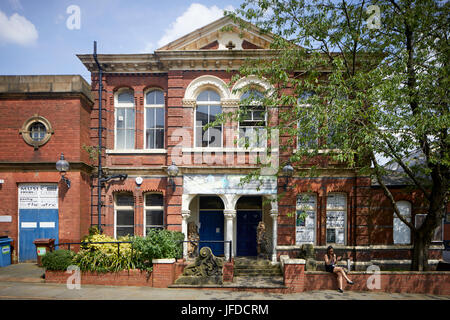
pixel 99 177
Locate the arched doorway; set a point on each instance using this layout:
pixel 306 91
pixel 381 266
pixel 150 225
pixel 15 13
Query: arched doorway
pixel 211 224
pixel 248 215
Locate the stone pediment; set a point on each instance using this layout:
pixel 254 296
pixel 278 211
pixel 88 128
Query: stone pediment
pixel 222 34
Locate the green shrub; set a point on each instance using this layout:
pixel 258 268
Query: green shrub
pixel 104 257
pixel 158 244
pixel 58 260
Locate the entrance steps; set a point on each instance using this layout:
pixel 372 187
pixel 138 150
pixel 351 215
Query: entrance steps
pixel 254 267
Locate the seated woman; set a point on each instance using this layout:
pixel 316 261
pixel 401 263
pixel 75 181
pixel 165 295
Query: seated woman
pixel 330 261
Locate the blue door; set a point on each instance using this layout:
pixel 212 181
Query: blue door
pixel 36 224
pixel 38 217
pixel 247 223
pixel 211 229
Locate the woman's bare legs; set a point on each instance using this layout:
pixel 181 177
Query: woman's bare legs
pixel 339 276
pixel 341 271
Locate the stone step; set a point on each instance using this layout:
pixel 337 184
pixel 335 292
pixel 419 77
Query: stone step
pixel 257 274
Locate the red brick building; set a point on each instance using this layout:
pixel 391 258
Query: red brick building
pixel 154 107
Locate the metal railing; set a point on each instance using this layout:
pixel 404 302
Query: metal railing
pixel 85 243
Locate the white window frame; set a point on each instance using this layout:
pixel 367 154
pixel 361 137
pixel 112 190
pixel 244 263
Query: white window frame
pixel 344 209
pixel 118 208
pixel 307 208
pixel 156 208
pixel 206 103
pixel 241 143
pixel 146 106
pixel 123 105
pixel 397 220
pixel 416 224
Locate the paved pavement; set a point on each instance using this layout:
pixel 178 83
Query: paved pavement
pixel 24 281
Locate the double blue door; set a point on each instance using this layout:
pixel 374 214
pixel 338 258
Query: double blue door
pixel 36 224
pixel 247 224
pixel 211 229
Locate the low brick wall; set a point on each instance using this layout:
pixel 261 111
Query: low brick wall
pixel 122 278
pixel 401 282
pixel 299 280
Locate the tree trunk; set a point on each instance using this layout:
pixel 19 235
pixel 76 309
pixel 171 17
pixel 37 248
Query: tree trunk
pixel 420 253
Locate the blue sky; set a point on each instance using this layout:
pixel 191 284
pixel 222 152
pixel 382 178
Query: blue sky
pixel 35 38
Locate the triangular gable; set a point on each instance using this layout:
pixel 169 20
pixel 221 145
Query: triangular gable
pixel 221 34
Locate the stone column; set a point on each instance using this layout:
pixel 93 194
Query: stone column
pixel 185 214
pixel 229 214
pixel 274 215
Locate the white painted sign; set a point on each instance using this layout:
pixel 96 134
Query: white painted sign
pixel 227 184
pixel 47 224
pixel 5 218
pixel 38 196
pixel 29 224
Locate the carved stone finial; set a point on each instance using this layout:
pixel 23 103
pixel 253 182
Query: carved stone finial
pixel 230 45
pixel 207 269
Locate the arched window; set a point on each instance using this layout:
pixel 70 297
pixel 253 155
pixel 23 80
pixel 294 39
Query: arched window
pixel 125 120
pixel 207 111
pixel 252 131
pixel 154 120
pixel 402 233
pixel 305 222
pixel 336 218
pixel 124 214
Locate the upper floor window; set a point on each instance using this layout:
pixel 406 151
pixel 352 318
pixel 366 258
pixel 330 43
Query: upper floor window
pixel 154 120
pixel 125 120
pixel 207 111
pixel 307 124
pixel 252 131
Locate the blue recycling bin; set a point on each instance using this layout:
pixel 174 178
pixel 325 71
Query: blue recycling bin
pixel 5 252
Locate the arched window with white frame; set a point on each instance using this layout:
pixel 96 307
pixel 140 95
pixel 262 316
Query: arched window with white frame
pixel 154 119
pixel 207 110
pixel 307 124
pixel 124 120
pixel 252 124
pixel 401 232
pixel 124 214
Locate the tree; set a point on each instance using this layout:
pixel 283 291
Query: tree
pixel 377 79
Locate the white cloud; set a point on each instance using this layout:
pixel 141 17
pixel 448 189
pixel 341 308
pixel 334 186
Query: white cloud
pixel 17 29
pixel 196 16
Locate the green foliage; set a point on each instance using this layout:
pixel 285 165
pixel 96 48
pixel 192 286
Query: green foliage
pixel 105 257
pixel 58 260
pixel 158 244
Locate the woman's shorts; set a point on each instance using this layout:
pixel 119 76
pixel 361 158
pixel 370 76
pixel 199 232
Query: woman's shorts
pixel 329 268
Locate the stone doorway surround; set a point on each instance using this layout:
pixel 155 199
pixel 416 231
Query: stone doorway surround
pixel 228 189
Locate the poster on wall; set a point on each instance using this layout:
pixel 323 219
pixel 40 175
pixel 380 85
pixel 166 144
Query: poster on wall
pixel 305 219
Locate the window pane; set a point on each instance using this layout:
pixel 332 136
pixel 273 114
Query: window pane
pixel 150 139
pixel 124 200
pixel 215 137
pixel 214 111
pixel 154 199
pixel 202 115
pixel 150 117
pixel 331 236
pixel 159 139
pixel 129 139
pixel 37 131
pixel 155 97
pixel 125 97
pixel 125 217
pixel 124 231
pixel 120 118
pixel 208 95
pixel 159 123
pixel 253 94
pixel 120 139
pixel 154 217
pixel 130 118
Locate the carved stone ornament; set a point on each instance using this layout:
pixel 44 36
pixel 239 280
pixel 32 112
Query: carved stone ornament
pixel 207 269
pixel 194 237
pixel 262 245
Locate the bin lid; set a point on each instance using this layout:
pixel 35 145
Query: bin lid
pixel 6 240
pixel 43 241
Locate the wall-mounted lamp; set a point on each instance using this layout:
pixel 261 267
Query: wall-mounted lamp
pixel 288 171
pixel 172 172
pixel 63 166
